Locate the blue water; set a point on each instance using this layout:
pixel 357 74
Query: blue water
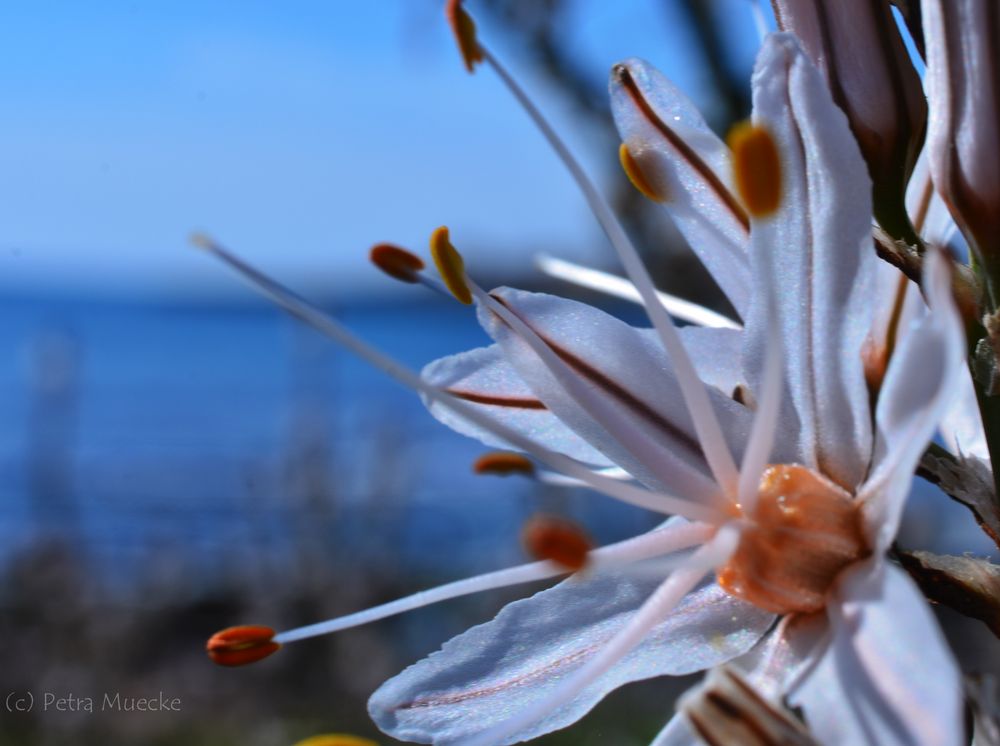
pixel 226 434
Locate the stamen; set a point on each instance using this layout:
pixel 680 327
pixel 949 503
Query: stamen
pixel 503 463
pixel 309 314
pixel 898 304
pixel 703 171
pixel 875 361
pixel 450 264
pixel 238 646
pixel 561 480
pixel 619 287
pixel 634 173
pixel 765 422
pixel 665 540
pixel 652 612
pixel 756 168
pixel 557 540
pixel 405 266
pixel 923 205
pixel 464 29
pixel 397 262
pixel 714 446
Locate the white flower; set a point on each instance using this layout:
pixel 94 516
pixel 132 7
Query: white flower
pixel 858 648
pixel 799 530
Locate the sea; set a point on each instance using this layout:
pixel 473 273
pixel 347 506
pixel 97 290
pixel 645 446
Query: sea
pixel 226 433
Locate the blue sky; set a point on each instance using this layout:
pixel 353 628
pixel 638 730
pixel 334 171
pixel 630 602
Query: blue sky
pixel 299 133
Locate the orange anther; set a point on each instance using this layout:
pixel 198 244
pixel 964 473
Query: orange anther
pixel 396 262
pixel 875 359
pixel 450 265
pixel 557 540
pixel 635 174
pixel 464 29
pixel 756 168
pixel 237 646
pixel 503 463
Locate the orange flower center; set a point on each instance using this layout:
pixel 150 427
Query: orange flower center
pixel 804 531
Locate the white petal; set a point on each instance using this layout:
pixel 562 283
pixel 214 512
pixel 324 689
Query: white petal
pixel 689 164
pixel 616 389
pixel 919 385
pixel 676 733
pixel 816 254
pixel 889 664
pixel 716 356
pixel 775 664
pixel 841 707
pixel 962 425
pixel 483 375
pixel 927 210
pixel 487 674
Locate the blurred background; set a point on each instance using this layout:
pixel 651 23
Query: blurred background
pixel 176 456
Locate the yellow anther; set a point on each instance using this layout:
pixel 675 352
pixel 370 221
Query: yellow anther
pixel 634 172
pixel 503 463
pixel 464 29
pixel 450 265
pixel 335 739
pixel 557 540
pixel 396 262
pixel 238 646
pixel 756 168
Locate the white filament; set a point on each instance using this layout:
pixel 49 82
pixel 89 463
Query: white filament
pixel 429 281
pixel 619 287
pixel 713 444
pixel 656 608
pixel 305 311
pixel 765 422
pixel 561 480
pixel 661 541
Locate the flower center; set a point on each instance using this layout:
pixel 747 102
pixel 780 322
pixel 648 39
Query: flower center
pixel 804 531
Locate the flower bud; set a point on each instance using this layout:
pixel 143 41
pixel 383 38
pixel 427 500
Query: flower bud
pixel 858 49
pixel 964 132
